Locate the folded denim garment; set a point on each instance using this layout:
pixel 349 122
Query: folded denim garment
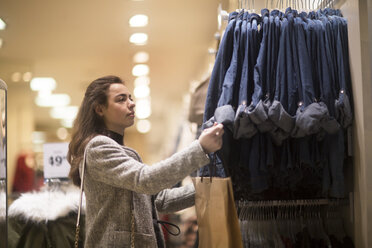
pixel 259 116
pixel 243 126
pixel 343 110
pixel 280 117
pixel 308 119
pixel 225 115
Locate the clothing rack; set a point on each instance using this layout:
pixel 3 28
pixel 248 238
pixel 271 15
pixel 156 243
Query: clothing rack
pixel 223 15
pixel 53 184
pixel 293 223
pixel 278 203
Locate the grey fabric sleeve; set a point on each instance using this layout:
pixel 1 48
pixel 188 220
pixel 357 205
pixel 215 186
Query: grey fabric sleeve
pixel 112 164
pixel 172 200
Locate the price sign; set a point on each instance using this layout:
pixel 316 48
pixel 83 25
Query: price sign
pixel 55 162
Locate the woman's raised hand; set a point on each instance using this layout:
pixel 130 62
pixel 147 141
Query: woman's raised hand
pixel 211 138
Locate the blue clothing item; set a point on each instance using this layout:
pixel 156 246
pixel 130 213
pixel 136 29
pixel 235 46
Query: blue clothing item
pixel 243 126
pixel 230 94
pixel 333 177
pixel 311 116
pixel 343 106
pixel 281 111
pixel 219 169
pixel 244 44
pixel 221 65
pixel 324 68
pixel 345 42
pixel 289 81
pixel 264 73
pixel 259 69
pixel 230 86
pixel 257 164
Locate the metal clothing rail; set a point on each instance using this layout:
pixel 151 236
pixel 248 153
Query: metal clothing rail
pixel 305 202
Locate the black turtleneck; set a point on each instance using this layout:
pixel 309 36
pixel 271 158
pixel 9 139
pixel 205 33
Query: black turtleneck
pixel 115 136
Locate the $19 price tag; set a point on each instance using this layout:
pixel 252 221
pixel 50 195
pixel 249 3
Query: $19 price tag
pixel 55 162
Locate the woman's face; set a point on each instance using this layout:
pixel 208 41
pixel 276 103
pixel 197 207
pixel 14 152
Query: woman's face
pixel 119 112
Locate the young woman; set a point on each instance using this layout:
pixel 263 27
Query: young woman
pixel 123 194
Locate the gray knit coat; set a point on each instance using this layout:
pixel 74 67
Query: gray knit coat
pixel 116 178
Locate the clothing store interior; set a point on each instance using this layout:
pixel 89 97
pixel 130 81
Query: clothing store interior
pixel 289 79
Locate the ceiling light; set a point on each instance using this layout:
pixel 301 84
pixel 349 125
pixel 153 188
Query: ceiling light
pixel 138 38
pixel 141 57
pixel 143 80
pixel 143 126
pixel 44 93
pixel 52 100
pixel 16 76
pixel 68 112
pixel 27 76
pixel 62 133
pixel 143 108
pixel 43 84
pixel 141 91
pixel 2 24
pixel 138 21
pixel 67 123
pixel 140 70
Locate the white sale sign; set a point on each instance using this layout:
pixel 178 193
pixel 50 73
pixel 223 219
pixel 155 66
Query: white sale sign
pixel 55 162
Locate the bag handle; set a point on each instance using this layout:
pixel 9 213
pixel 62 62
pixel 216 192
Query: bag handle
pixel 212 167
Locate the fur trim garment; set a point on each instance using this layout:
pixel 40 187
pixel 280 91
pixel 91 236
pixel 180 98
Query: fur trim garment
pixel 47 205
pixel 2 206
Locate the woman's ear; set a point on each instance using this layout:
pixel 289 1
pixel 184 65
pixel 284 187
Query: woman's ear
pixel 98 110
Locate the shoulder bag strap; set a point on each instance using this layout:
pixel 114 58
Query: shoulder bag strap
pixel 80 206
pixel 80 201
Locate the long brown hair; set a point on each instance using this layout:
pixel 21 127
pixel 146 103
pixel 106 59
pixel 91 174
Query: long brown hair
pixel 88 123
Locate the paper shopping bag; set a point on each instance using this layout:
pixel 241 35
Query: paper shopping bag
pixel 217 217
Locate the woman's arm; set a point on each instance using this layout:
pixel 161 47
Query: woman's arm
pixel 175 199
pixel 110 163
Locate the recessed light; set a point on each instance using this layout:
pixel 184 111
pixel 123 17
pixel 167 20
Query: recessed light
pixel 143 126
pixel 140 70
pixel 143 108
pixel 138 21
pixel 68 112
pixel 68 123
pixel 142 80
pixel 62 133
pixel 52 100
pixel 27 76
pixel 16 76
pixel 138 38
pixel 43 84
pixel 141 91
pixel 2 24
pixel 141 57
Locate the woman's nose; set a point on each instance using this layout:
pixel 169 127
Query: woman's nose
pixel 132 103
